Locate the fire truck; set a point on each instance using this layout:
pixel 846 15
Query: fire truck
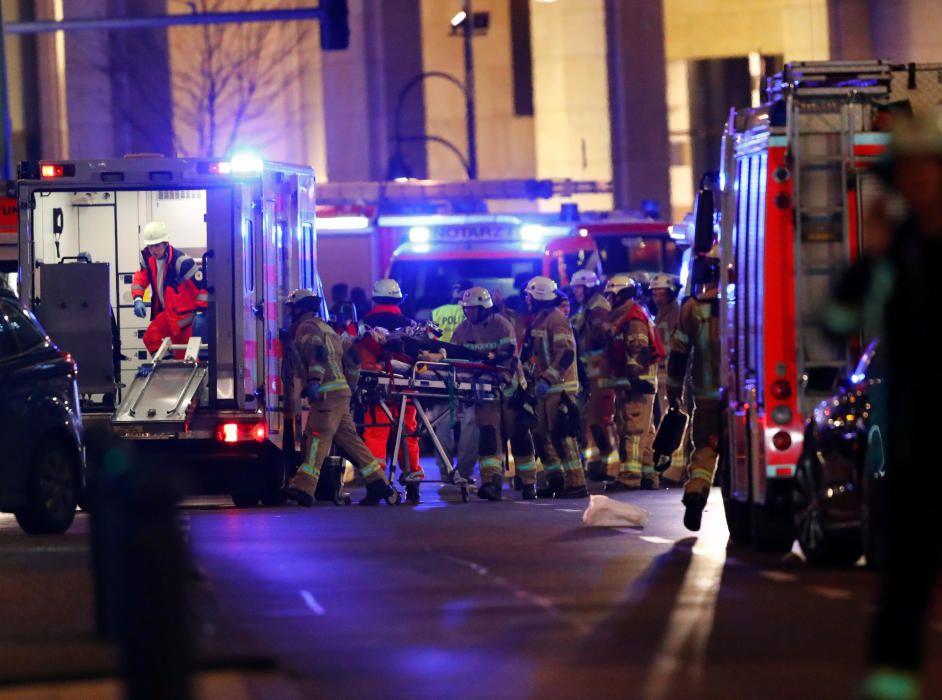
pixel 249 225
pixel 8 228
pixel 793 186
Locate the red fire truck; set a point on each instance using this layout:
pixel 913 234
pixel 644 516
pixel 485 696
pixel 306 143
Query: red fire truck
pixel 793 185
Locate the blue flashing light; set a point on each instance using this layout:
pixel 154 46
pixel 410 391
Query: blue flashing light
pixel 246 164
pixel 857 378
pixel 419 234
pixel 343 223
pixel 532 233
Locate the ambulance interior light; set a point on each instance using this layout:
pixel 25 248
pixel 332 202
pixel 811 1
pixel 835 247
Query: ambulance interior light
pixel 419 234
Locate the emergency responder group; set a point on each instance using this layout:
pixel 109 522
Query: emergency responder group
pixel 580 396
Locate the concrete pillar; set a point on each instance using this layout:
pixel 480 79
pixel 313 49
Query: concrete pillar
pixel 361 87
pixel 899 30
pixel 638 103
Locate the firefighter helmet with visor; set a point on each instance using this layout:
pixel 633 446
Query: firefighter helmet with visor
pixel 662 281
pixel 387 288
pixel 542 289
pixel 620 283
pixel 586 278
pixel 155 233
pixel 476 296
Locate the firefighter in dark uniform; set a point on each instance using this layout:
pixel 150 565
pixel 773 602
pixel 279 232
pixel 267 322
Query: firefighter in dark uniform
pixel 549 358
pixel 326 371
pixel 492 336
pixel 695 347
pixel 598 412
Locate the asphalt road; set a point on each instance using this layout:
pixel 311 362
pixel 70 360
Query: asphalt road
pixel 477 600
pixel 520 600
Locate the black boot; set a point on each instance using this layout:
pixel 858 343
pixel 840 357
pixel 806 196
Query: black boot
pixel 694 503
pixel 555 485
pixel 528 492
pixel 377 491
pixel 573 492
pixel 302 498
pixel 596 472
pixel 490 490
pixel 412 492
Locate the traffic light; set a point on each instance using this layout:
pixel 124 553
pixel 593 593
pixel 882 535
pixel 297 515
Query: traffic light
pixel 335 30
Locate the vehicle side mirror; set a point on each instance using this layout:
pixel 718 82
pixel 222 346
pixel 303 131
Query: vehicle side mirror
pixel 703 221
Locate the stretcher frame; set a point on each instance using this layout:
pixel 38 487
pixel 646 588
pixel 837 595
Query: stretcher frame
pixel 448 382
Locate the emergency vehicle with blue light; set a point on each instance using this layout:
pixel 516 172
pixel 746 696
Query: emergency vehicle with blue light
pixel 794 183
pixel 249 225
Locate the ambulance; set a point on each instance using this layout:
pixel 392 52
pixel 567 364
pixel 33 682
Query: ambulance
pixel 249 225
pixel 796 178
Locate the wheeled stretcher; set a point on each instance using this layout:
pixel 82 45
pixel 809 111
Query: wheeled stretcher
pixel 445 381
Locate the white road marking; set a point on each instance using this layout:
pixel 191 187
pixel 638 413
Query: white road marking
pixel 654 540
pixel 568 510
pixel 680 659
pixel 309 600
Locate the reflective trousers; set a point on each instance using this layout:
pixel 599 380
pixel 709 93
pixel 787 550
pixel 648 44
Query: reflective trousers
pixel 678 466
pixel 497 425
pixel 328 422
pixel 377 433
pixel 598 427
pixel 634 416
pixel 706 430
pixel 555 443
pixel 167 324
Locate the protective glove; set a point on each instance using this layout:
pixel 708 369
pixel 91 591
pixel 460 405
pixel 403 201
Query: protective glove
pixel 312 389
pixel 139 309
pixel 200 325
pixel 542 389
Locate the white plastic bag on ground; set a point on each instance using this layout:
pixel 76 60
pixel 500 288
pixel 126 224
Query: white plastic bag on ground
pixel 607 512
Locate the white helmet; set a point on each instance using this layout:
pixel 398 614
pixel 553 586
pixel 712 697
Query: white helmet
pixel 388 288
pixel 662 281
pixel 620 282
pixel 155 232
pixel 541 289
pixel 586 278
pixel 477 296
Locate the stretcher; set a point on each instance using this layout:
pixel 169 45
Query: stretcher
pixel 445 381
pixel 163 394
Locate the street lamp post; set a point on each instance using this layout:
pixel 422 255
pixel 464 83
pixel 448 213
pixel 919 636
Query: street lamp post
pixel 469 91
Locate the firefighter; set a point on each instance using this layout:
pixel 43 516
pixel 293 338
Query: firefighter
pixel 492 336
pixel 549 354
pixel 664 295
pixel 695 348
pixel 326 371
pixel 634 349
pixel 386 314
pixel 178 295
pixel 598 413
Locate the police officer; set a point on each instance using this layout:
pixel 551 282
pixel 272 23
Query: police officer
pixel 598 413
pixel 448 316
pixel 178 295
pixel 387 315
pixel 550 360
pixel 326 370
pixel 492 336
pixel 664 295
pixel 634 350
pixel 695 343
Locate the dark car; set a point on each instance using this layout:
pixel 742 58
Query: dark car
pixel 42 469
pixel 839 498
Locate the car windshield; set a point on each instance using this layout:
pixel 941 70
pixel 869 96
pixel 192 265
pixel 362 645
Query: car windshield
pixel 638 253
pixel 428 283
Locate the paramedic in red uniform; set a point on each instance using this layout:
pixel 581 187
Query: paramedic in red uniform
pixel 386 314
pixel 178 297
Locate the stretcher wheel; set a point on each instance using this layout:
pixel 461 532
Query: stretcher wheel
pixel 465 494
pixel 346 499
pixel 394 498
